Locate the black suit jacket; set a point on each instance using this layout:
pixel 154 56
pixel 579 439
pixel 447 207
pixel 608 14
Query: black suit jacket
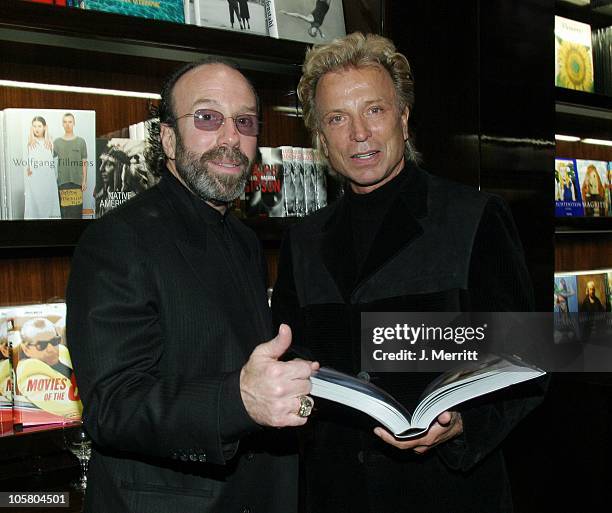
pixel 166 301
pixel 440 247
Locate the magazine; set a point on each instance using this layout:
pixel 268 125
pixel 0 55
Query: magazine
pixel 44 388
pixel 465 382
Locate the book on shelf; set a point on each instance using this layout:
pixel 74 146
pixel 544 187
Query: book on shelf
pixel 264 189
pixel 6 380
pixel 166 10
pixel 309 21
pixel 47 154
pixel 237 15
pixel 568 199
pixel 44 388
pixel 594 187
pixel 122 172
pixel 573 55
pixel 321 179
pixel 464 382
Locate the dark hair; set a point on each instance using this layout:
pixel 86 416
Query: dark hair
pixel 154 154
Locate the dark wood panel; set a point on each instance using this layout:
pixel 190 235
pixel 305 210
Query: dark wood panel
pixel 582 252
pixel 33 278
pixel 579 150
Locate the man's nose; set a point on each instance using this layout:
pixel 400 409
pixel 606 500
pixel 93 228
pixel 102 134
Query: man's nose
pixel 227 133
pixel 359 129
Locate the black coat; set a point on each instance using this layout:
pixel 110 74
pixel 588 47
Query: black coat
pixel 440 247
pixel 166 301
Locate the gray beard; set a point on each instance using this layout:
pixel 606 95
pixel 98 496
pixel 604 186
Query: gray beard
pixel 205 183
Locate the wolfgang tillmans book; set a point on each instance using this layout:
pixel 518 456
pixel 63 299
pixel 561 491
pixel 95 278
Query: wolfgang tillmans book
pixel 168 10
pixel 465 382
pixel 573 55
pixel 568 200
pixel 310 21
pixel 239 15
pixel 45 387
pixel 47 155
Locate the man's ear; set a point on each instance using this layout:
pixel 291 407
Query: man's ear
pixel 323 143
pixel 404 117
pixel 168 140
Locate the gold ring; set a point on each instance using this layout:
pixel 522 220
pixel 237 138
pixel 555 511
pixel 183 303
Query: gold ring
pixel 305 406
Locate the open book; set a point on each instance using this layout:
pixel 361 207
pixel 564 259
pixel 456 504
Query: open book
pixel 469 380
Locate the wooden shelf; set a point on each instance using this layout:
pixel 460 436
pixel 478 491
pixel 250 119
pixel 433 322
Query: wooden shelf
pixel 573 225
pixel 105 33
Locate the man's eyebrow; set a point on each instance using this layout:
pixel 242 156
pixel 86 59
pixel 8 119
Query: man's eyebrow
pixel 243 108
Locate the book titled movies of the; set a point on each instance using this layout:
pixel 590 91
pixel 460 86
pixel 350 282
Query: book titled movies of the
pixel 467 381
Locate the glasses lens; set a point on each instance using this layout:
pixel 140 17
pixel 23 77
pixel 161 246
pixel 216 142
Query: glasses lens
pixel 208 120
pixel 247 124
pixel 41 345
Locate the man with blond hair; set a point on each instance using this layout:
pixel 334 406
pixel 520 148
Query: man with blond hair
pixel 400 239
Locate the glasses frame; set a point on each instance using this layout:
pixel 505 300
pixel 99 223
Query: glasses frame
pixel 194 115
pixel 54 341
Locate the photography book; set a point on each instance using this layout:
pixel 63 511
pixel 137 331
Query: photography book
pixel 309 21
pixel 464 382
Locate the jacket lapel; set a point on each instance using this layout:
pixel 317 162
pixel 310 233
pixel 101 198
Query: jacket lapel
pixel 190 238
pixel 399 228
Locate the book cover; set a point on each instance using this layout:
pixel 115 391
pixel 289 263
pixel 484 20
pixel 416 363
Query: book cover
pixel 47 153
pixel 309 21
pixel 593 177
pixel 573 55
pixel 321 179
pixel 167 10
pixel 609 188
pixel 310 181
pixel 567 327
pixel 264 189
pixel 460 384
pixel 299 182
pixel 238 15
pixel 45 387
pixel 289 189
pixel 6 379
pixel 568 200
pixel 592 291
pixel 121 172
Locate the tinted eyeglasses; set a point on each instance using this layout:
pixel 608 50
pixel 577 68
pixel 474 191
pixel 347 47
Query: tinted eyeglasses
pixel 211 120
pixel 41 345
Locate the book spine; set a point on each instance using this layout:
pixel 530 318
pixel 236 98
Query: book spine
pixel 271 22
pixel 197 13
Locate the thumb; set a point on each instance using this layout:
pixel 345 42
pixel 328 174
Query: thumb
pixel 276 347
pixel 444 418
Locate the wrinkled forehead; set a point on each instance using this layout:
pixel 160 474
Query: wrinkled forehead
pixel 43 335
pixel 217 84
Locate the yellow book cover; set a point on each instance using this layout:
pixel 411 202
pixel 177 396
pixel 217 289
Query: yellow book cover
pixel 573 55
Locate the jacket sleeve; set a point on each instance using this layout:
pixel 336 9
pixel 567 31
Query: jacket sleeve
pixel 498 282
pixel 132 402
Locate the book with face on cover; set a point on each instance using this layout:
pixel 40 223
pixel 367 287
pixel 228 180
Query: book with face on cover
pixel 568 199
pixel 464 382
pixel 47 154
pixel 44 388
pixel 121 172
pixel 593 177
pixel 244 16
pixel 309 21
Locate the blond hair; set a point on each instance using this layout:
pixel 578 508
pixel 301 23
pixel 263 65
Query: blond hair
pixel 354 51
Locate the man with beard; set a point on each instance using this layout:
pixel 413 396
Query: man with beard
pixel 168 317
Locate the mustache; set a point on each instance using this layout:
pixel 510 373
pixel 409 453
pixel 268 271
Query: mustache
pixel 223 152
